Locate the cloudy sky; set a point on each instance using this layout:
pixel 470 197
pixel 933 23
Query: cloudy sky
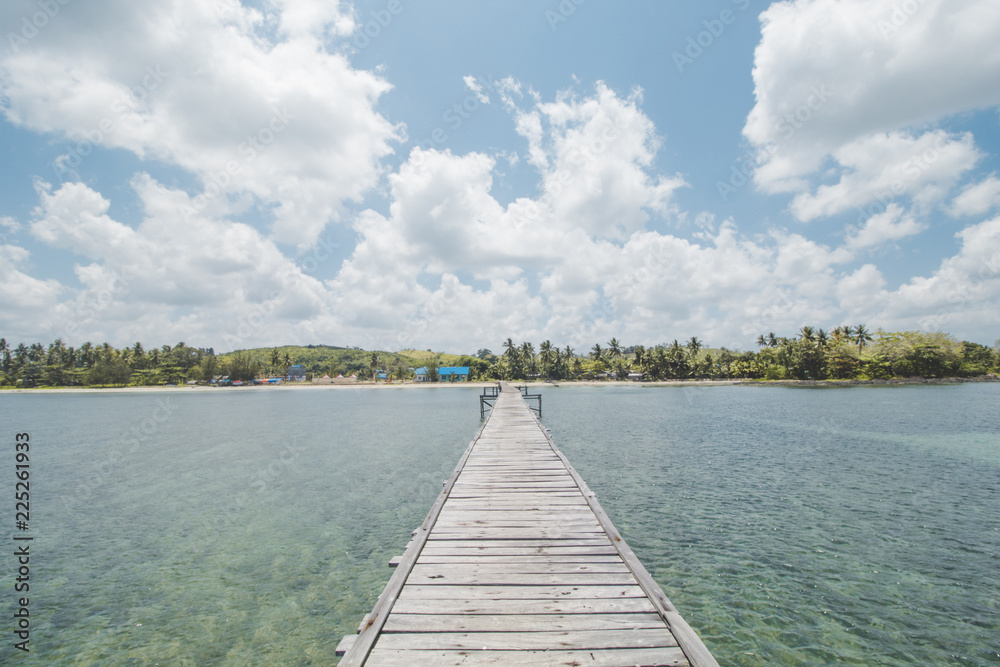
pixel 394 174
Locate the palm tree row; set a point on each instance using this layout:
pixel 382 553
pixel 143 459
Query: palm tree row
pixel 847 352
pixel 60 365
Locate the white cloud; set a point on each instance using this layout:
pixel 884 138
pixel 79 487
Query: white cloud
pixel 830 73
pixel 890 225
pixel 202 277
pixel 19 290
pixel 963 293
pixel 977 198
pixel 594 155
pixel 201 86
pixel 883 167
pixel 476 88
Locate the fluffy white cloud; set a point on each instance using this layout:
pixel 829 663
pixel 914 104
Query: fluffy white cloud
pixel 594 155
pixel 977 198
pixel 202 86
pixel 18 290
pixel 831 74
pixel 890 225
pixel 963 293
pixel 883 167
pixel 214 279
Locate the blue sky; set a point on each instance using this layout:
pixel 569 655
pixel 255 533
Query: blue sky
pixel 394 174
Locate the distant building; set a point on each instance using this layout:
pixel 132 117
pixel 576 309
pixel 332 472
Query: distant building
pixel 297 373
pixel 420 374
pixel 454 373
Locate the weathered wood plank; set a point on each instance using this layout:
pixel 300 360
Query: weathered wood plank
pixel 520 592
pixel 399 622
pixel 489 543
pixel 433 550
pixel 522 579
pixel 613 605
pixel 423 569
pixel 654 657
pixel 529 641
pixel 426 559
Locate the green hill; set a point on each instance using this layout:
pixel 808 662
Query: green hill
pixel 333 360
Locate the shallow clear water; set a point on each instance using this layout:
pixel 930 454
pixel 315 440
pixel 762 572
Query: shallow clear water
pixel 790 526
pixel 840 526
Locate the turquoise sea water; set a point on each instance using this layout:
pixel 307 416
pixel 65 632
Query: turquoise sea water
pixel 847 526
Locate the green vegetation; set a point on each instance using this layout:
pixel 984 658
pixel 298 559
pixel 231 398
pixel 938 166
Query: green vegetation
pixel 846 353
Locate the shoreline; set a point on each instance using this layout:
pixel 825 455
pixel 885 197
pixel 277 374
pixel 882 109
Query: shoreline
pixel 533 384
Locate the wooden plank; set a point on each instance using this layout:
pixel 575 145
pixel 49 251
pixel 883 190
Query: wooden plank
pixel 529 641
pixel 408 605
pixel 425 569
pixel 522 579
pixel 520 592
pixel 590 541
pixel 426 558
pixel 519 622
pixel 436 550
pixel 654 657
pixel 345 644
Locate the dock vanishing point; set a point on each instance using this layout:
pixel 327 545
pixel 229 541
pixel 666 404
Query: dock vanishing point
pixel 517 564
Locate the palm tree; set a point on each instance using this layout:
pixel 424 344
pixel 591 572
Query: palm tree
pixel 822 338
pixel 511 350
pixel 807 334
pixel 596 353
pixel 87 354
pixel 861 336
pixel 640 357
pixel 694 345
pixel 545 353
pixel 373 364
pixel 286 361
pixel 761 341
pixel 528 357
pixel 614 349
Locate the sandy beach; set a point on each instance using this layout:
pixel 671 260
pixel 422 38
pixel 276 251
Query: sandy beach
pixel 303 386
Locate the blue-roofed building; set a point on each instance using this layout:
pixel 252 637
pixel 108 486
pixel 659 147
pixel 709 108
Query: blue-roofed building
pixel 454 373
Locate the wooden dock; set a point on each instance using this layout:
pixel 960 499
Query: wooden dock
pixel 517 564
